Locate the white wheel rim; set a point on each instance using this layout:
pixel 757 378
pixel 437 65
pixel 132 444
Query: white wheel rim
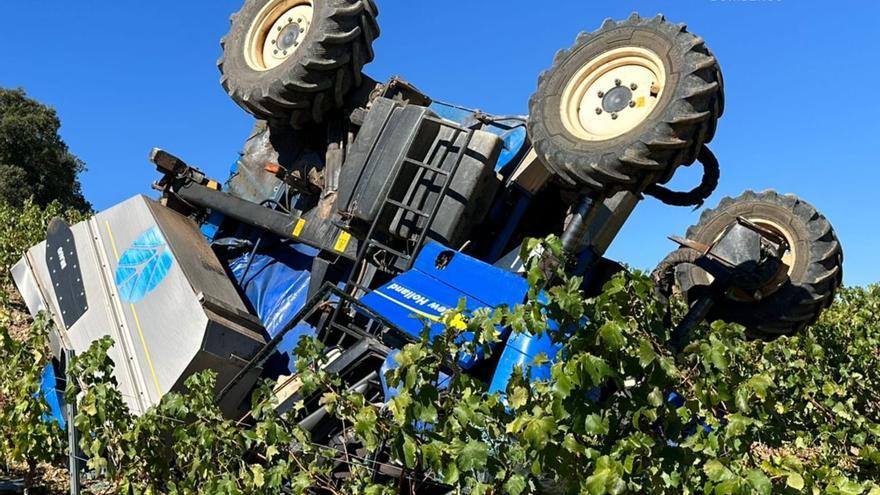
pixel 613 93
pixel 277 33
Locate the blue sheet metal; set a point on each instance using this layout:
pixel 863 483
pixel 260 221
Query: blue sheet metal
pixel 436 284
pixel 51 391
pixel 439 279
pixel 276 285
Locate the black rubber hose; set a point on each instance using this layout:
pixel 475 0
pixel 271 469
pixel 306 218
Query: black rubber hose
pixel 695 197
pixel 664 276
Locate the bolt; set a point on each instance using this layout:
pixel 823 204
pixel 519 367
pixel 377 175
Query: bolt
pixel 618 82
pixel 299 20
pixel 633 86
pixel 598 111
pixel 290 20
pixel 275 52
pixel 273 42
pixel 614 116
pixel 601 94
pixel 284 53
pixel 279 29
pixel 632 104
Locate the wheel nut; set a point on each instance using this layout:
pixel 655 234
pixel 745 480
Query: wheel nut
pixel 273 42
pixel 618 82
pixel 633 86
pixel 632 104
pixel 600 94
pixel 275 52
pixel 284 52
pixel 598 111
pixel 614 116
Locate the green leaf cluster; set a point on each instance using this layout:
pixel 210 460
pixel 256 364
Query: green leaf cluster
pixel 800 414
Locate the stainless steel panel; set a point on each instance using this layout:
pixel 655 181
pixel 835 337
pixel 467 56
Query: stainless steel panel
pixel 163 333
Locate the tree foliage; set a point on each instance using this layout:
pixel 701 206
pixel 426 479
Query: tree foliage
pixel 34 160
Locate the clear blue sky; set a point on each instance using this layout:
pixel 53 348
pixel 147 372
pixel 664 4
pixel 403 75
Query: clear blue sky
pixel 801 76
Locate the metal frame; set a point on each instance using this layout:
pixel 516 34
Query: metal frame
pixel 384 329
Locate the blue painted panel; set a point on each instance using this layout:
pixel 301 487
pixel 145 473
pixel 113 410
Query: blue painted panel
pixel 520 351
pixel 51 391
pixel 428 291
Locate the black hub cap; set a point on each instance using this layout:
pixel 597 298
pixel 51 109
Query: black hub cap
pixel 617 99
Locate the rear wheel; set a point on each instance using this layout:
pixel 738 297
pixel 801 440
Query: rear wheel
pixel 292 61
pixel 626 105
pixel 812 271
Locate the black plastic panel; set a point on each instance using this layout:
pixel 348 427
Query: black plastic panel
pixel 64 272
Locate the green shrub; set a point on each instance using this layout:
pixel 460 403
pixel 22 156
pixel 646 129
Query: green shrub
pixel 25 435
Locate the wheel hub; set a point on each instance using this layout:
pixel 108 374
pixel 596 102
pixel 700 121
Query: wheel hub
pixel 617 99
pixel 289 37
pixel 277 33
pixel 613 93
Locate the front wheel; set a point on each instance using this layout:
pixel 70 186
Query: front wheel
pixel 626 105
pixel 292 61
pixel 812 268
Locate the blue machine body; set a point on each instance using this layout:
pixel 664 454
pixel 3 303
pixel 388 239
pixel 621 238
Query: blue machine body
pixel 439 280
pixel 438 283
pixel 52 391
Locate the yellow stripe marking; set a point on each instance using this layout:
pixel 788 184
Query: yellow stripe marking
pixel 137 321
pixel 298 230
pixel 342 241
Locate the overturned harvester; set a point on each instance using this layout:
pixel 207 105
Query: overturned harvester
pixel 356 205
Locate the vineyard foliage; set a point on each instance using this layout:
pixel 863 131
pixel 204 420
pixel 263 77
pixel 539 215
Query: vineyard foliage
pixel 619 413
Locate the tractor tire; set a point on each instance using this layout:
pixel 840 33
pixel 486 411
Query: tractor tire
pixel 815 264
pixel 291 61
pixel 626 105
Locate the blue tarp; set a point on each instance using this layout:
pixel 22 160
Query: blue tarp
pixel 276 286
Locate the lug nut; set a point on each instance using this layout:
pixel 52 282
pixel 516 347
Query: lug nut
pixel 600 94
pixel 618 82
pixel 632 104
pixel 275 52
pixel 273 42
pixel 614 116
pixel 633 86
pixel 598 111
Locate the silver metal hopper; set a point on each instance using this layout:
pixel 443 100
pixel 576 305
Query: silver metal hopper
pixel 144 275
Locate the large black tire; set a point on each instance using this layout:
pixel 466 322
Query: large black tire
pixel 316 78
pixel 683 119
pixel 814 277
